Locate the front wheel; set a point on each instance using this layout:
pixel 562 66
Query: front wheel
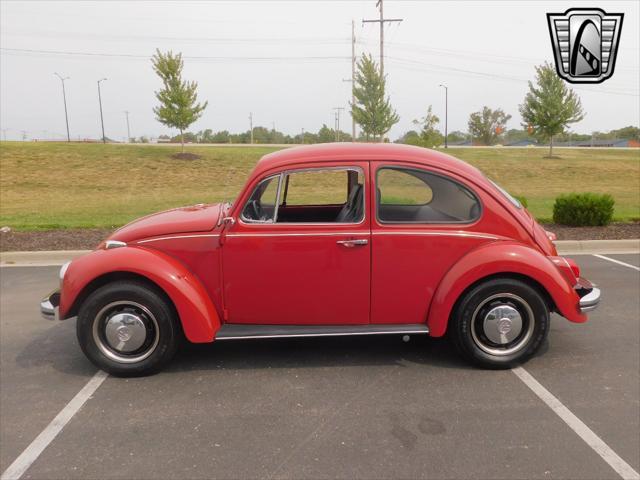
pixel 127 329
pixel 500 323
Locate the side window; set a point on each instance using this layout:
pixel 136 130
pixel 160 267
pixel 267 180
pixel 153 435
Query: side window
pixel 397 187
pixel 334 195
pixel 406 195
pixel 316 187
pixel 261 205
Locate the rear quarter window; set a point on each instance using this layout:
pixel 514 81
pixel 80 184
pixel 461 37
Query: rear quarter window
pixel 406 195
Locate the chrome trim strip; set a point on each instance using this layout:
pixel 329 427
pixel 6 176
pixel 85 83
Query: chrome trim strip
pixel 277 206
pixel 177 236
pixel 313 234
pixel 590 301
pixel 109 244
pixel 329 334
pixel 438 234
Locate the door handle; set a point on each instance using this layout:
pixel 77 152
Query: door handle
pixel 352 243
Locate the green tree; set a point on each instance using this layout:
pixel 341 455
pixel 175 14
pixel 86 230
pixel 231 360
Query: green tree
pixel 410 138
pixel 178 98
pixel 456 137
pixel 326 135
pixel 487 125
pixel 628 133
pixel 550 106
pixel 371 110
pixel 430 137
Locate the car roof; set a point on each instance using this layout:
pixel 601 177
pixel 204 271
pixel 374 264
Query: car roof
pixel 345 152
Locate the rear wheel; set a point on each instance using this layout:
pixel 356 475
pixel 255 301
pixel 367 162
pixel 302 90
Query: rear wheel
pixel 127 329
pixel 500 323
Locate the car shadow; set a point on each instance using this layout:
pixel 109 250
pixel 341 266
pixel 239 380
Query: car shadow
pixel 291 353
pixel 58 348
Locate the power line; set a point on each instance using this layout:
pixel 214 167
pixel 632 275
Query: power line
pixel 186 57
pixel 199 40
pixel 422 67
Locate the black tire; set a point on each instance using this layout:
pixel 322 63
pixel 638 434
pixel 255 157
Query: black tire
pixel 146 312
pixel 484 339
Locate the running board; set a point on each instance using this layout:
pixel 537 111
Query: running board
pixel 245 331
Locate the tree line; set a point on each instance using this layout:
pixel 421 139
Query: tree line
pixel 548 109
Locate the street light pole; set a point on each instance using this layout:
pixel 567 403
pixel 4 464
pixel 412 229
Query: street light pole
pixel 64 98
pixel 126 112
pixel 446 114
pixel 104 139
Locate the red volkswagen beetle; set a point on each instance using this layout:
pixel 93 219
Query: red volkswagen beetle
pixel 336 239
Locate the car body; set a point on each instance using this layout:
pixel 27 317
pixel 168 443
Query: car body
pixel 333 239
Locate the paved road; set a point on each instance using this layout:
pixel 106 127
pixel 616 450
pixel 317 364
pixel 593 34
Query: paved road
pixel 325 408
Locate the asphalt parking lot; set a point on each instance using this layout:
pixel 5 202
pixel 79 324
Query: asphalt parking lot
pixel 326 408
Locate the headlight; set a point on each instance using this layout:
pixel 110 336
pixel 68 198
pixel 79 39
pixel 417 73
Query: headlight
pixel 63 270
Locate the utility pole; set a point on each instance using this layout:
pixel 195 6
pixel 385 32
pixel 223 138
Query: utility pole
pixel 126 112
pixel 4 134
pixel 381 21
pixel 338 110
pixel 64 98
pixel 251 126
pixel 104 139
pixel 446 114
pixel 353 79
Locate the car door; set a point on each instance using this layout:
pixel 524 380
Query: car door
pixel 424 222
pixel 299 252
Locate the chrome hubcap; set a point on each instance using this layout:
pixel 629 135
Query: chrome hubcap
pixel 502 324
pixel 126 332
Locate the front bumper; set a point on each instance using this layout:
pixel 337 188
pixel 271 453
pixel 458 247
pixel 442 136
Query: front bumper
pixel 49 306
pixel 590 301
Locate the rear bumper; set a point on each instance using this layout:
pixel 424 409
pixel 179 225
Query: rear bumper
pixel 49 306
pixel 590 301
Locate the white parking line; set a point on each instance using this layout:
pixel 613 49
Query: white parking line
pixel 617 261
pixel 33 451
pixel 621 467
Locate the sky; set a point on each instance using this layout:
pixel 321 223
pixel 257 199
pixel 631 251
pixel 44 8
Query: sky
pixel 286 62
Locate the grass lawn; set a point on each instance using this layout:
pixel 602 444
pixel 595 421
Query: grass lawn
pixel 59 185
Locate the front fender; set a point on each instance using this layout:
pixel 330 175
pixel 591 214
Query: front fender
pixel 501 258
pixel 199 318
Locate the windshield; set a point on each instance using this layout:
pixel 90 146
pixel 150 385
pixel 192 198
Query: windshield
pixel 509 197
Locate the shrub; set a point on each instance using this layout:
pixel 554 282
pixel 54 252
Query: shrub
pixel 583 209
pixel 522 200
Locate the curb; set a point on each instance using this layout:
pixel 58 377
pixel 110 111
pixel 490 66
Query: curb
pixel 576 247
pixel 565 247
pixel 39 259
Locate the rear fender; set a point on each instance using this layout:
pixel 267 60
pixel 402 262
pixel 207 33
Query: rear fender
pixel 501 258
pixel 198 315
